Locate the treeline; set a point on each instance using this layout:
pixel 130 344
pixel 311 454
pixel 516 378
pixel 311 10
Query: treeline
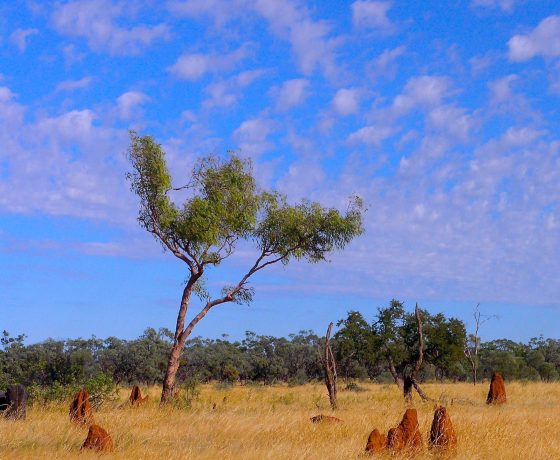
pixel 379 350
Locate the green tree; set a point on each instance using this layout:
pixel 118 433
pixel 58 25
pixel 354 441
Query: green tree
pixel 355 346
pixel 224 207
pixel 445 338
pixel 407 340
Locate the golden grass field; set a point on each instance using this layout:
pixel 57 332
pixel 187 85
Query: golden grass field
pixel 251 422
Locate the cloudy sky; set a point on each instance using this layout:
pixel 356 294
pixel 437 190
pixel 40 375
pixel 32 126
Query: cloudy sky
pixel 442 115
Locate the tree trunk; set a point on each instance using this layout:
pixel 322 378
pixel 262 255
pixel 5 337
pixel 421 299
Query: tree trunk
pixel 172 367
pixel 394 374
pixel 423 395
pixel 407 389
pixel 179 340
pixel 330 369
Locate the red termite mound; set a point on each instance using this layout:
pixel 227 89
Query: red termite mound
pixel 376 442
pixel 407 434
pixel 325 418
pixel 80 409
pixel 98 439
pixel 442 434
pixel 136 396
pixel 497 392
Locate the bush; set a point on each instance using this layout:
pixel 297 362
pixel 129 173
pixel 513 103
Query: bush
pixel 189 391
pixel 101 389
pixel 299 379
pixel 230 374
pixel 353 386
pixel 56 392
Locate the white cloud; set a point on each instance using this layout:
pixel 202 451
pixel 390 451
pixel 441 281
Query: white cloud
pixel 371 14
pixel 252 136
pixel 505 5
pixel 520 136
pixel 221 11
pixel 423 91
pixel 71 85
pixel 544 41
pixel 309 39
pixel 554 78
pixel 195 66
pixel 372 135
pixel 292 93
pixel 501 90
pixel 96 21
pixel 227 92
pixel 452 120
pixel 346 101
pixel 312 41
pixel 387 58
pixel 19 37
pixel 61 165
pixel 128 102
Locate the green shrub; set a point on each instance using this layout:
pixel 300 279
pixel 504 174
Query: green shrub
pixel 101 389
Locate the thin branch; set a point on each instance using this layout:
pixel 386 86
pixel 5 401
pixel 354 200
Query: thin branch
pixel 163 239
pixel 420 342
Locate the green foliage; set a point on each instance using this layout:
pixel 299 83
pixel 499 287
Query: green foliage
pixel 189 391
pixel 55 370
pixel 53 393
pixel 355 346
pixel 101 389
pixel 224 206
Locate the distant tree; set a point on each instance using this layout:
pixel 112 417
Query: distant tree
pixel 224 207
pixel 329 368
pixel 399 336
pixel 472 344
pixel 406 341
pixel 355 346
pixel 444 340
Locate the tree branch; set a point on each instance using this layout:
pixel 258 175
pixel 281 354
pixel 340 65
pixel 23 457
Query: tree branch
pixel 163 239
pixel 420 343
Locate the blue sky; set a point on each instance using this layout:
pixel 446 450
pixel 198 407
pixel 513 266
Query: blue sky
pixel 442 115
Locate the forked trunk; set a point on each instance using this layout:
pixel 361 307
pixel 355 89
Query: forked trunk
pixel 407 389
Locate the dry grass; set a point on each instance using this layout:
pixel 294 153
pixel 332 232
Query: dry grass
pixel 273 423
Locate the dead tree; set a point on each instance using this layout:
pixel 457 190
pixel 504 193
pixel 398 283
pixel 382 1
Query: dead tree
pixel 329 366
pixel 473 344
pixel 410 380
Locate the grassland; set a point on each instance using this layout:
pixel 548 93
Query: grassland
pixel 273 423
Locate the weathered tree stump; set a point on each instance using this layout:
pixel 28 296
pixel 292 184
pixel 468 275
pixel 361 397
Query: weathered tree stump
pixel 16 402
pixel 3 401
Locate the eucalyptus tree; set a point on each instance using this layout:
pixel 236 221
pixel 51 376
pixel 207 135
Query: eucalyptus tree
pixel 223 207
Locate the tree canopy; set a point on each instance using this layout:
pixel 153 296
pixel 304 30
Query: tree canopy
pixel 223 207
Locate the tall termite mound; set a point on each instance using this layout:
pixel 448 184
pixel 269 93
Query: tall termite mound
pixel 497 392
pixel 80 409
pixel 442 434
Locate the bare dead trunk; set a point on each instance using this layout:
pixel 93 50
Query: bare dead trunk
pixel 410 381
pixel 330 369
pixel 394 374
pixel 419 390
